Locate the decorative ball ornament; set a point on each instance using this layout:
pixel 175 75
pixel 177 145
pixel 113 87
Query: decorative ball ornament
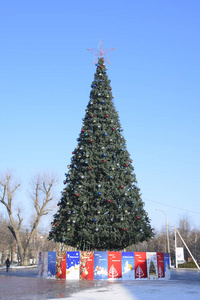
pixel 52 230
pixel 94 121
pixel 99 193
pixel 90 168
pixel 113 128
pixel 133 202
pixel 111 121
pixel 100 66
pixel 84 202
pixel 95 220
pixel 77 194
pixel 91 102
pixel 126 165
pixel 131 161
pixel 97 229
pixel 87 155
pixel 124 229
pixel 122 219
pixel 82 130
pixel 137 218
pixel 56 224
pixel 72 152
pixel 121 186
pixel 107 116
pixel 94 85
pixel 82 176
pixel 102 102
pixel 91 141
pixel 104 155
pixel 108 200
pixel 122 149
pixel 64 182
pixel 91 116
pixel 98 212
pixel 105 134
pixel 58 204
pixel 74 221
pixel 104 161
pixel 113 169
pixel 68 229
pixel 100 74
pixel 99 185
pixel 110 140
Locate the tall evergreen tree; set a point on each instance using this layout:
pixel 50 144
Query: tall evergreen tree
pixel 101 206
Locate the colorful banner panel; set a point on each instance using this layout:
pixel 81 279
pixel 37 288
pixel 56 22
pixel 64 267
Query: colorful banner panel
pixel 160 263
pixel 152 269
pixel 45 265
pixel 114 265
pixel 51 273
pixel 61 265
pixel 140 265
pixel 73 265
pixel 100 265
pixel 87 265
pixel 128 266
pixel 167 265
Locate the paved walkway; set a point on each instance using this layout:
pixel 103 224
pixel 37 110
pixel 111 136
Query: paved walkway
pixel 24 284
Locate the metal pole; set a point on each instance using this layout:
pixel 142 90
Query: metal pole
pixel 188 249
pixel 175 248
pixel 168 248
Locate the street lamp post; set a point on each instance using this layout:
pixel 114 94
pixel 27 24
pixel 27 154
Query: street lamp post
pixel 168 248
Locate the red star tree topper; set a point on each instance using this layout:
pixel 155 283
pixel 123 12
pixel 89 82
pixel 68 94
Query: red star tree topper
pixel 101 51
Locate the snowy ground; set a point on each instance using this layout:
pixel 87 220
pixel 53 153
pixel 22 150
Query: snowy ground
pixel 24 284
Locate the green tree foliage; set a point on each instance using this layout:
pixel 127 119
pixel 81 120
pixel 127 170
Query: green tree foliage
pixel 100 207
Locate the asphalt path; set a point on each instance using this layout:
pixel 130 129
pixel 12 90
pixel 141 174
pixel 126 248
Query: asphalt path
pixel 24 284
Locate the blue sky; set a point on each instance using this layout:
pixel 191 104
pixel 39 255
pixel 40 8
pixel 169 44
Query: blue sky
pixel 45 78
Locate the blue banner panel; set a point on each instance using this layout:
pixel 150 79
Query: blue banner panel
pixel 128 266
pixel 100 265
pixel 73 265
pixel 167 265
pixel 51 265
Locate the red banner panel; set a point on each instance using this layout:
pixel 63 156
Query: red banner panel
pixel 87 265
pixel 61 265
pixel 114 265
pixel 140 265
pixel 160 264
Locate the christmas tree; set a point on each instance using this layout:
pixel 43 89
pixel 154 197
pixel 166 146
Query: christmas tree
pixel 100 207
pixel 152 269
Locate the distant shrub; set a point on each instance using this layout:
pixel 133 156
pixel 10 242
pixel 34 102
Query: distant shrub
pixel 189 265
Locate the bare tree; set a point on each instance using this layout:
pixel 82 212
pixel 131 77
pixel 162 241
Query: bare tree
pixel 42 195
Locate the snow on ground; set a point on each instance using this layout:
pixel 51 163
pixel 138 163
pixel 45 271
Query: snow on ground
pixel 20 284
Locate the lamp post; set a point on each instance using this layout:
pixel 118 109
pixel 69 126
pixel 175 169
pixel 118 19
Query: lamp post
pixel 166 229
